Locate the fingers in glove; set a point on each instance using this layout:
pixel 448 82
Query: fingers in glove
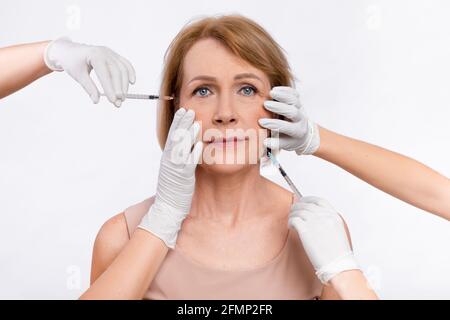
pixel 286 94
pixel 317 201
pixel 298 224
pixel 89 86
pixel 311 211
pixel 293 129
pixel 179 134
pixel 130 70
pixel 306 213
pixel 174 125
pixel 285 90
pixel 197 151
pixel 116 78
pixel 289 111
pixel 179 114
pixel 125 81
pixel 104 76
pixel 183 147
pixel 282 142
pixel 187 120
pixel 317 205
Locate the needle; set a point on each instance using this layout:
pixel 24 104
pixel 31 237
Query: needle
pixel 144 96
pixel 285 176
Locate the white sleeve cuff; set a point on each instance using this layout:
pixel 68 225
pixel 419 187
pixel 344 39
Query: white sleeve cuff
pixel 343 263
pixel 49 60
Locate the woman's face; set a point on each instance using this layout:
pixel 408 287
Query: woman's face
pixel 227 95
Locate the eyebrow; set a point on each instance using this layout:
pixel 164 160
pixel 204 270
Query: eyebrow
pixel 236 77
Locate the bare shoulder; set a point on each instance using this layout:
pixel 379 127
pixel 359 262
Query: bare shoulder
pixel 113 234
pixel 277 189
pixel 280 197
pixel 111 238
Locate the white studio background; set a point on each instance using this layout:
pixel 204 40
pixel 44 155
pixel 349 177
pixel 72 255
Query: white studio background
pixel 373 70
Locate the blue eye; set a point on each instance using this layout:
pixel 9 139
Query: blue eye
pixel 201 89
pixel 251 88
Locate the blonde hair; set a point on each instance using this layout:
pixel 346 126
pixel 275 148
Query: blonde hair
pixel 244 37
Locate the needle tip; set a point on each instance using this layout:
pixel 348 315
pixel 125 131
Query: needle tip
pixel 272 158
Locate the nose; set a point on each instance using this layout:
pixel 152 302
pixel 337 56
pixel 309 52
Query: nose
pixel 225 113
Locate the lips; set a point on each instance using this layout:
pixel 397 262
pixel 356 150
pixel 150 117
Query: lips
pixel 226 140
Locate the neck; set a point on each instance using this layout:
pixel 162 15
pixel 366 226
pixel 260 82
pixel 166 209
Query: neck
pixel 229 197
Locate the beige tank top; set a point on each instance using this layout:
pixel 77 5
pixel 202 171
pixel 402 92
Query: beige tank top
pixel 289 275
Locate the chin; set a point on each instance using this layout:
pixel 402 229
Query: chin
pixel 227 169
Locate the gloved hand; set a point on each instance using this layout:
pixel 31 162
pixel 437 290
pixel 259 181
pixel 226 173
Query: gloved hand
pixel 176 180
pixel 299 133
pixel 113 71
pixel 323 235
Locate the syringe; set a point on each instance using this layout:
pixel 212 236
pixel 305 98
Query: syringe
pixel 285 176
pixel 144 96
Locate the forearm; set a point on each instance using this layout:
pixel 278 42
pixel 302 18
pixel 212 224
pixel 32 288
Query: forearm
pixel 133 270
pixel 352 285
pixel 400 176
pixel 20 65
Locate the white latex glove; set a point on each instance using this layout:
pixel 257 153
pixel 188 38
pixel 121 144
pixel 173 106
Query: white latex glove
pixel 176 180
pixel 299 133
pixel 113 71
pixel 323 235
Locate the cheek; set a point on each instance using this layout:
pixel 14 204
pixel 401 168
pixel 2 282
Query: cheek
pixel 267 114
pixel 202 115
pixel 263 113
pixel 204 112
pixel 189 104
